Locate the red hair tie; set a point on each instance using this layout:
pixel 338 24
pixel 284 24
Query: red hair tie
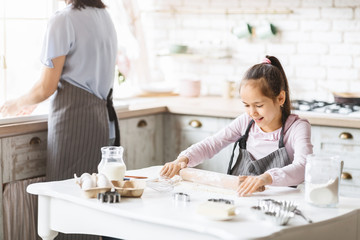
pixel 266 61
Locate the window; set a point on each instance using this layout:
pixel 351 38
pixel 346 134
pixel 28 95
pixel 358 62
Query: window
pixel 22 27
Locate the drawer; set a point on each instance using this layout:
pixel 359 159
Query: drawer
pixel 349 191
pixel 349 136
pixel 344 142
pixel 341 147
pixel 138 123
pixel 198 123
pixel 23 156
pixel 354 180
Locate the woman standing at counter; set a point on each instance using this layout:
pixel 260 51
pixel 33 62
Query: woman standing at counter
pixel 273 143
pixel 79 54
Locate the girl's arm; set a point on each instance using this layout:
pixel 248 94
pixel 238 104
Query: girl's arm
pixel 207 148
pixel 290 175
pixel 294 173
pixel 210 146
pixel 42 89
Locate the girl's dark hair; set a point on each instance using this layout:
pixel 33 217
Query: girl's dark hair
pixel 272 80
pixel 79 4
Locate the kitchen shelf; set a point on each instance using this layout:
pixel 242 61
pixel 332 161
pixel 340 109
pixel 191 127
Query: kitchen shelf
pixel 225 11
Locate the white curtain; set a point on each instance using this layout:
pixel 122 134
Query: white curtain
pixel 131 40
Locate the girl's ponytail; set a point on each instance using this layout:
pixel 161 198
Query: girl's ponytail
pixel 287 104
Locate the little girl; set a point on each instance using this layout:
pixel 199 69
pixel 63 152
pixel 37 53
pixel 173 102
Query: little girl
pixel 273 143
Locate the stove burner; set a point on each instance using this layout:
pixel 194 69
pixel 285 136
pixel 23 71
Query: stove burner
pixel 324 107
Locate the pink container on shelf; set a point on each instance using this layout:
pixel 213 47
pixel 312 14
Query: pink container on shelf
pixel 189 88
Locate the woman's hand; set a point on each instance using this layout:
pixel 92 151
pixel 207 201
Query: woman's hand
pixel 10 108
pixel 170 169
pixel 14 108
pixel 251 184
pixel 27 110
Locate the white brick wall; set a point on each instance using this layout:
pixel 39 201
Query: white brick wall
pixel 317 3
pixel 318 43
pixel 337 13
pixel 347 3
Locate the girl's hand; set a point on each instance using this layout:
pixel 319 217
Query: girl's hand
pixel 251 184
pixel 172 168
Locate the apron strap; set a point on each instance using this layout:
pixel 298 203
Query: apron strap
pixel 246 135
pixel 113 117
pixel 281 140
pixel 242 144
pixel 232 156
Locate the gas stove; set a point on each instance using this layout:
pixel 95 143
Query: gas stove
pixel 324 107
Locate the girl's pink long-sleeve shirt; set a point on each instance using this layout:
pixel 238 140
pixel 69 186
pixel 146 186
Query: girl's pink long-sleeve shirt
pixel 297 141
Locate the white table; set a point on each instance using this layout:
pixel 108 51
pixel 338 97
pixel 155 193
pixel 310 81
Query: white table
pixel 63 208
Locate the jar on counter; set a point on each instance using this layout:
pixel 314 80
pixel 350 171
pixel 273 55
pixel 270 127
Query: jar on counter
pixel 322 176
pixel 189 88
pixel 112 164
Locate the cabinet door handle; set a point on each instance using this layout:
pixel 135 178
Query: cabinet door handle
pixel 35 141
pixel 346 175
pixel 345 135
pixel 195 123
pixel 142 123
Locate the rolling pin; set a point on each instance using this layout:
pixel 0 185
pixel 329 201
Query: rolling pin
pixel 210 178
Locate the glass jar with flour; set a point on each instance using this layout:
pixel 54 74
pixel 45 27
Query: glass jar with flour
pixel 322 176
pixel 112 164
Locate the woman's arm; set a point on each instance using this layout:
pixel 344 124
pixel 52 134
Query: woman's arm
pixel 42 89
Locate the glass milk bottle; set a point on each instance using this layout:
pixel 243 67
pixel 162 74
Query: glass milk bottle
pixel 322 176
pixel 112 164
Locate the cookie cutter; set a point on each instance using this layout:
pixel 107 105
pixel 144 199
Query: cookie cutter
pixel 109 197
pixel 221 200
pixel 181 197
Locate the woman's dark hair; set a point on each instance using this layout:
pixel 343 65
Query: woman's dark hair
pixel 79 4
pixel 272 80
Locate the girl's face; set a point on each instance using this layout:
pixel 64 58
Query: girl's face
pixel 266 112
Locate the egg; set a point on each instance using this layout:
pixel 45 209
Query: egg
pixel 83 176
pixel 87 183
pixel 103 181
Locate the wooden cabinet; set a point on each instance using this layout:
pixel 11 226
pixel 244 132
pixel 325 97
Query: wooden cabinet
pixel 185 130
pixel 344 142
pixel 23 158
pixel 142 140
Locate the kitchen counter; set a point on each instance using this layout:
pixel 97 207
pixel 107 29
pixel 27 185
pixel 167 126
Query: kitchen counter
pixel 157 216
pixel 203 106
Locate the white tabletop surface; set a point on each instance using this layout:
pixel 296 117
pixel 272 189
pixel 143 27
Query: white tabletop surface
pixel 157 211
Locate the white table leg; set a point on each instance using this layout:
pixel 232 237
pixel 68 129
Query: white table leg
pixel 44 212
